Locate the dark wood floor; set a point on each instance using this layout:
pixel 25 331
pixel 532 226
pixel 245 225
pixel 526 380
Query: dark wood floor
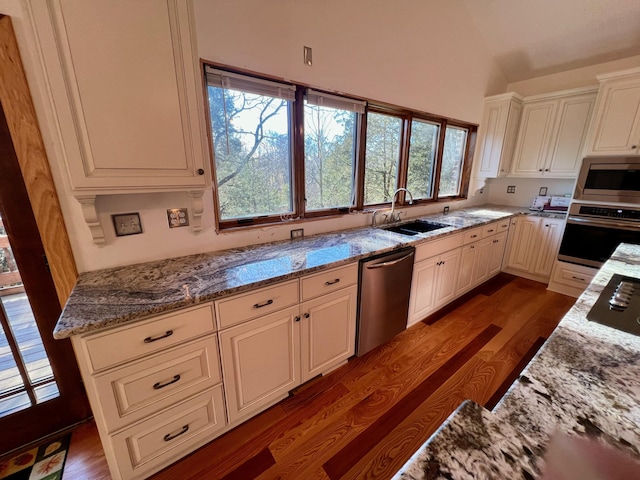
pixel 368 417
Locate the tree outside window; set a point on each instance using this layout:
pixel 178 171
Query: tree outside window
pixel 381 157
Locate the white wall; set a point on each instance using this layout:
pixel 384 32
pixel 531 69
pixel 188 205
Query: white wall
pixel 526 189
pixel 421 54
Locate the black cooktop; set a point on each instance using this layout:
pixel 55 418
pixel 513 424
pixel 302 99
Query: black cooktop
pixel 618 306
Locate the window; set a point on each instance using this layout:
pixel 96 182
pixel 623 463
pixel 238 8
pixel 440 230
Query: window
pixel 382 157
pixel 330 126
pixel 251 133
pixel 423 147
pixel 285 151
pixel 455 143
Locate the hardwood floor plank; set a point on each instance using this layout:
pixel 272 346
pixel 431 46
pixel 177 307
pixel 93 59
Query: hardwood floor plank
pixel 357 448
pixel 252 467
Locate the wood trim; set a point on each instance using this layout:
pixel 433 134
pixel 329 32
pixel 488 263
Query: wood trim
pixel 29 146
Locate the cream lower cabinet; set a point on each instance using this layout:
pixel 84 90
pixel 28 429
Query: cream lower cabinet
pixel 533 245
pixel 261 362
pixel 155 388
pixel 269 355
pixel 481 256
pixel 434 279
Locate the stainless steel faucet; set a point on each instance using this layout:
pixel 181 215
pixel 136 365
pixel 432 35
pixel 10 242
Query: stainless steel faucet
pixel 392 216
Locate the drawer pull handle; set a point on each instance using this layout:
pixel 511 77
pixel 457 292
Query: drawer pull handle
pixel 577 278
pixel 337 280
pixel 168 437
pixel 489 231
pixel 474 236
pixel 168 333
pixel 260 305
pixel 158 385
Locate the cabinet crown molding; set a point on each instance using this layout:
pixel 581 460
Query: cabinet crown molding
pixel 561 93
pixel 631 72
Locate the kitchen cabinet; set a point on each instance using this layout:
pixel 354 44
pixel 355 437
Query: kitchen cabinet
pixel 615 129
pixel 434 279
pixel 481 256
pixel 553 133
pixel 497 136
pixel 155 388
pixel 533 245
pixel 128 105
pixel 270 343
pixel 260 362
pixel 570 279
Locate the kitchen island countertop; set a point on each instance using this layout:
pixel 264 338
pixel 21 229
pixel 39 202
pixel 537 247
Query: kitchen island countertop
pixel 585 380
pixel 110 297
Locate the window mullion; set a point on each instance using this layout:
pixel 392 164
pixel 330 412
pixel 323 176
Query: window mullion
pixel 297 163
pixel 360 160
pixel 438 160
pixel 403 161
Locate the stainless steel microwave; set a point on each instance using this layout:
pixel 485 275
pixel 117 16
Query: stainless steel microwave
pixel 609 179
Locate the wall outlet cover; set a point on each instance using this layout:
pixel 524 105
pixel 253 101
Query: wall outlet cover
pixel 126 224
pixel 297 233
pixel 511 189
pixel 178 217
pixel 543 191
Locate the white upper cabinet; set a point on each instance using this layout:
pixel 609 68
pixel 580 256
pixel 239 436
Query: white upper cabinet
pixel 498 130
pixel 127 93
pixel 552 134
pixel 615 129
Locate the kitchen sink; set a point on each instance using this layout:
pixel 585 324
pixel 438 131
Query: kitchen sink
pixel 415 227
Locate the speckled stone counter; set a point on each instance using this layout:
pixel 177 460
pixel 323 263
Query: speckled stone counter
pixel 113 296
pixel 585 380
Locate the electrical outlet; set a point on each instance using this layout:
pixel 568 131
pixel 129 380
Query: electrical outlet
pixel 178 217
pixel 445 210
pixel 511 189
pixel 297 233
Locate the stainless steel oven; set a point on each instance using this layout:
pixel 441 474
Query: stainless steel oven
pixel 594 231
pixel 609 179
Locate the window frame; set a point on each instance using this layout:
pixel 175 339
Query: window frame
pixel 297 163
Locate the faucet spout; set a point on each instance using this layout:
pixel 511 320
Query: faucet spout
pixel 392 216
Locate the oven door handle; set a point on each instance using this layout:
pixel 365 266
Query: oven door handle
pixel 603 224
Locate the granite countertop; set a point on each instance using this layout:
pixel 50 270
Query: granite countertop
pixel 585 380
pixel 114 296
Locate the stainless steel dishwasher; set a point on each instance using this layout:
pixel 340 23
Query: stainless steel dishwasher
pixel 383 302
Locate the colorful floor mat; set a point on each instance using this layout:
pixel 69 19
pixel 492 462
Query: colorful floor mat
pixel 44 462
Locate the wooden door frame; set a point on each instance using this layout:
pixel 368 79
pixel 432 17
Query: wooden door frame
pixel 23 145
pixel 29 146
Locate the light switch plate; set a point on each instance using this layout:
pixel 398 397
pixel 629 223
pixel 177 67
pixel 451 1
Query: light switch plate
pixel 127 224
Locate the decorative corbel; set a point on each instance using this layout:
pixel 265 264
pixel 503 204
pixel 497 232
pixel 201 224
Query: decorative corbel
pixel 90 214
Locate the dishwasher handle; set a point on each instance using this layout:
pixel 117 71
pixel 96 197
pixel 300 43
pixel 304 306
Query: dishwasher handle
pixel 391 263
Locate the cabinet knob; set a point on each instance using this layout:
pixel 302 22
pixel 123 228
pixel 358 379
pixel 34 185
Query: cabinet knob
pixel 200 171
pixel 307 315
pixel 540 170
pixel 546 169
pixel 634 147
pixel 296 318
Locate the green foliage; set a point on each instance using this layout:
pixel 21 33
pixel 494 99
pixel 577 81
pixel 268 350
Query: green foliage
pixel 382 156
pixel 423 145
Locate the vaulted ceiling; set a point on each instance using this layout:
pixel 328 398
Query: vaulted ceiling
pixel 530 38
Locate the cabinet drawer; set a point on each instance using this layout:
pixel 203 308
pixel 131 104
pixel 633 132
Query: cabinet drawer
pixel 489 230
pixel 160 440
pixel 503 225
pixel 573 275
pixel 143 338
pixel 436 247
pixel 237 309
pixel 472 235
pixel 138 390
pixel 330 281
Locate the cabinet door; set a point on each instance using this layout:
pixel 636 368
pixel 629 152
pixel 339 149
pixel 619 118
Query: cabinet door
pixel 328 331
pixel 534 138
pixel 550 235
pixel 523 244
pixel 616 126
pixel 127 99
pixel 447 276
pixel 423 287
pixel 468 257
pixel 260 362
pixel 498 245
pixel 565 156
pixel 481 266
pixel 499 128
